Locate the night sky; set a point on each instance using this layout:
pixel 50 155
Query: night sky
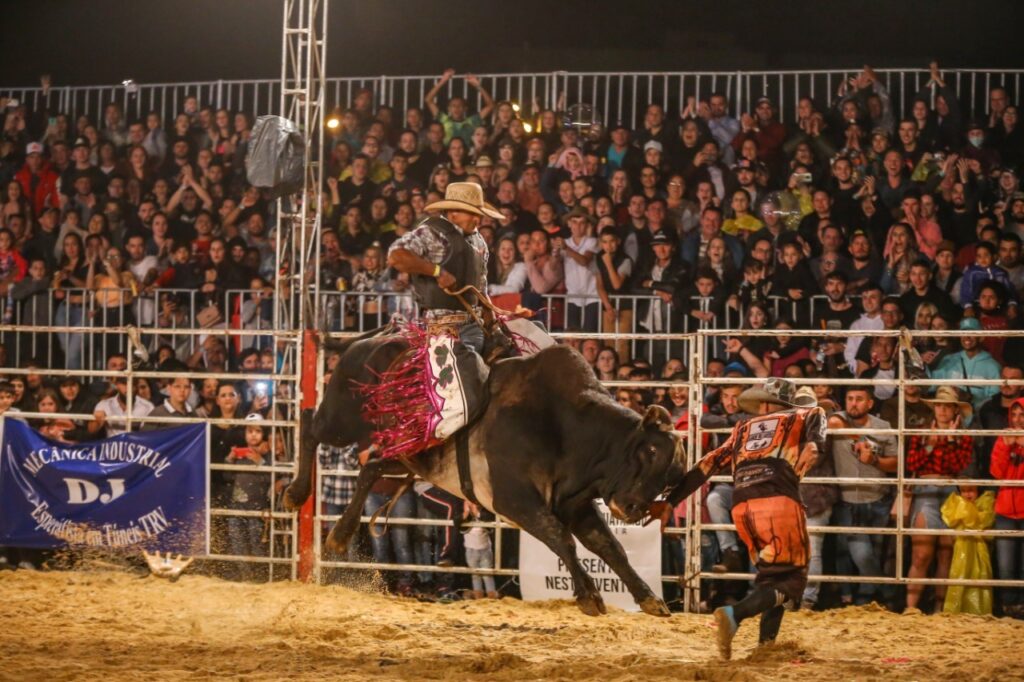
pixel 106 41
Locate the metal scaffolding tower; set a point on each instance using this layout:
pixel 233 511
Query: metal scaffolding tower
pixel 303 56
pixel 303 53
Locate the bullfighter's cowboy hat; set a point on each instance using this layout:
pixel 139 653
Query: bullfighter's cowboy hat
pixel 948 395
pixel 775 390
pixel 465 196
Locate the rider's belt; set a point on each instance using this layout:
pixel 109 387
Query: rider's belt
pixel 434 313
pixel 448 323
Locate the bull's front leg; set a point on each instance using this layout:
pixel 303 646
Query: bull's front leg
pixel 532 516
pixel 588 526
pixel 347 525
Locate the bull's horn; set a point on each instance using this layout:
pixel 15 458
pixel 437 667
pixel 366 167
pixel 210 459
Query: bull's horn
pixel 656 415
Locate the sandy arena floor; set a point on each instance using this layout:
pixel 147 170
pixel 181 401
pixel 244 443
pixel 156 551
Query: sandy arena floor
pixel 111 625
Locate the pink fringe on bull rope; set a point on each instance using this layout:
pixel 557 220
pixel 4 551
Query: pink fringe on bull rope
pixel 403 404
pixel 523 344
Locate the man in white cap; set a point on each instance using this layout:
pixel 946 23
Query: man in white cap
pixel 767 455
pixel 443 254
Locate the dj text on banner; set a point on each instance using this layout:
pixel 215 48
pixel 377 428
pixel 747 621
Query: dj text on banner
pixel 140 490
pixel 542 575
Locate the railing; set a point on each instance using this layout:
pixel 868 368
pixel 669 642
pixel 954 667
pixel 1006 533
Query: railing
pixel 282 550
pixel 242 311
pixel 615 96
pixel 101 313
pixel 276 556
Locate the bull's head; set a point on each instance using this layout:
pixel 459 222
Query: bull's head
pixel 658 456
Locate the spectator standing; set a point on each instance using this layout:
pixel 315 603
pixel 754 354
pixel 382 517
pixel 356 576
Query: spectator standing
pixel 862 505
pixel 935 456
pixel 615 271
pixel 111 412
pixel 1008 465
pixel 971 362
pixel 456 120
pixel 581 272
pixel 179 390
pixel 249 493
pixel 723 128
pixel 38 182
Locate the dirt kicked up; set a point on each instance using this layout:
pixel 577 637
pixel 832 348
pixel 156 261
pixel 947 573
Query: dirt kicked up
pixel 110 625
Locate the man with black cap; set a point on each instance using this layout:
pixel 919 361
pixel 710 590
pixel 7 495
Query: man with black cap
pixel 620 153
pixel 767 455
pixel 80 166
pixel 661 274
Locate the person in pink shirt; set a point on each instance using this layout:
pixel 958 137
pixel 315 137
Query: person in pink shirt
pixel 926 229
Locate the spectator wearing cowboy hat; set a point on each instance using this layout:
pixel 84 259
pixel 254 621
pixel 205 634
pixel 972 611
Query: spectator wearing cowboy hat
pixel 945 455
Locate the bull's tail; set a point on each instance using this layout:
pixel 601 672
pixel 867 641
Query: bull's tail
pixel 298 491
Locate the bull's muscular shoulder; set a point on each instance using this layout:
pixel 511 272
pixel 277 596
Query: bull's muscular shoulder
pixel 555 372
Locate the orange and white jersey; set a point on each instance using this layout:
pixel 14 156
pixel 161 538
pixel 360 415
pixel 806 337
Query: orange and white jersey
pixel 767 455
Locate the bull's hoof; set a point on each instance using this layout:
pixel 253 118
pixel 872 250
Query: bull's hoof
pixel 335 545
pixel 653 606
pixel 290 501
pixel 592 605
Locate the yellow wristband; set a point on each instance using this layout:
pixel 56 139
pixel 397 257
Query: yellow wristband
pixel 437 271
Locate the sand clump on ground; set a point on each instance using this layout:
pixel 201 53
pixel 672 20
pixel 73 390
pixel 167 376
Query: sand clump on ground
pixel 103 625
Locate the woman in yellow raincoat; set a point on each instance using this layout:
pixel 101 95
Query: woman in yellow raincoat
pixel 967 510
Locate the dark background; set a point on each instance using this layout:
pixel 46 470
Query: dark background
pixel 105 41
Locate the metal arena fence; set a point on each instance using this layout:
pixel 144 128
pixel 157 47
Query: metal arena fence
pixel 279 553
pixel 240 315
pixel 276 555
pixel 614 96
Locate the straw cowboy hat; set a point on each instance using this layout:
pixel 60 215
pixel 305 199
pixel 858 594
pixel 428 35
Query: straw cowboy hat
pixel 465 196
pixel 948 395
pixel 778 391
pixel 578 212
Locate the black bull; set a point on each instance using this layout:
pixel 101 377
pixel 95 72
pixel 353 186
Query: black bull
pixel 550 443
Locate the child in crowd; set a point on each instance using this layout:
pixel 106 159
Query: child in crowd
pixel 793 279
pixel 479 554
pixel 967 510
pixel 754 288
pixel 249 492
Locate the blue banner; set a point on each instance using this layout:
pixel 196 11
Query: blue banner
pixel 137 490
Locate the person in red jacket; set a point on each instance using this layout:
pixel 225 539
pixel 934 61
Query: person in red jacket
pixel 1008 465
pixel 37 181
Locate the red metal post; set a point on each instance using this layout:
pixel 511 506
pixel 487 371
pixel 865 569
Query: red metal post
pixel 308 510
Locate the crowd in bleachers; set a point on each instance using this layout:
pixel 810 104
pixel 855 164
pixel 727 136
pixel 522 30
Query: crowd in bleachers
pixel 853 216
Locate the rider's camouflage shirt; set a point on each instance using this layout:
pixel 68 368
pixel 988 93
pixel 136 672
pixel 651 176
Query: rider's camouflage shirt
pixel 429 245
